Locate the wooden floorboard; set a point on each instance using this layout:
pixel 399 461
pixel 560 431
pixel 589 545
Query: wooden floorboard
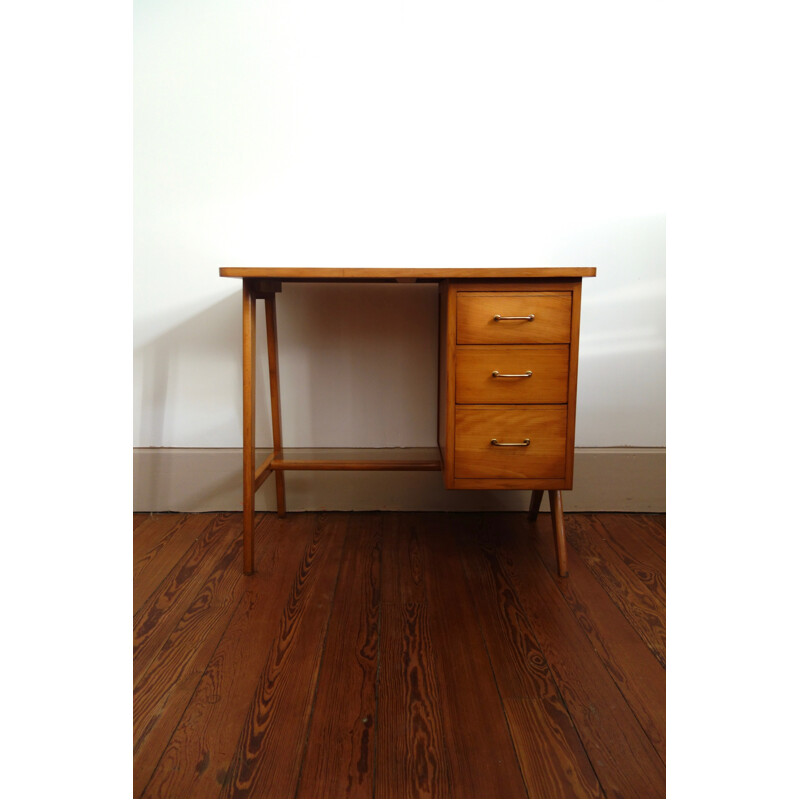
pixel 399 655
pixel 139 518
pixel 158 616
pixel 170 678
pixel 203 749
pixel 637 597
pixel 621 754
pixel 339 759
pixel 553 760
pixel 632 537
pixel 166 543
pixel 411 758
pixel 639 676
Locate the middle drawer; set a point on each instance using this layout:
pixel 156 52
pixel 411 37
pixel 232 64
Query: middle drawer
pixel 496 374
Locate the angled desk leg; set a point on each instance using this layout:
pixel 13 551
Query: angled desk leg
pixel 248 420
pixel 536 501
pixel 275 395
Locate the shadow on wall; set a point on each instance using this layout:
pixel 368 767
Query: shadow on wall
pixel 358 363
pixel 181 375
pixel 622 374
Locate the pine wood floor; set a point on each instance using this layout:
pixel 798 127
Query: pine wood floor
pixel 399 655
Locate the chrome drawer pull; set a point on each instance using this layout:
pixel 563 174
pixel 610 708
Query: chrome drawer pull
pixel 497 374
pixel 523 443
pixel 529 317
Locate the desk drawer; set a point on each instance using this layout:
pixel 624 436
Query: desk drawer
pixel 544 457
pixel 548 366
pixel 476 314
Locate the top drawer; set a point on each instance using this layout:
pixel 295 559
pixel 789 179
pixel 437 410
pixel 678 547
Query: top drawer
pixel 480 317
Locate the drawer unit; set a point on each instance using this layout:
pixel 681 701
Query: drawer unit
pixel 510 442
pixel 512 374
pixel 513 317
pixel 508 375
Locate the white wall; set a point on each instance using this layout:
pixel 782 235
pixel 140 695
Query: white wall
pixel 388 134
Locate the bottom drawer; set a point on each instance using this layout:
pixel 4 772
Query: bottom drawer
pixel 545 428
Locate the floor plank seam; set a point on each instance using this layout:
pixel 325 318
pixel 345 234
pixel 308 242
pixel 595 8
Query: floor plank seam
pixel 305 576
pixel 321 661
pixel 617 602
pixel 610 672
pixel 472 541
pixel 601 631
pixel 633 563
pixel 176 569
pixel 380 539
pixel 190 700
pixel 197 687
pixel 143 670
pixel 553 674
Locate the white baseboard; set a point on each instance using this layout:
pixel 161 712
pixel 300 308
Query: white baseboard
pixel 202 479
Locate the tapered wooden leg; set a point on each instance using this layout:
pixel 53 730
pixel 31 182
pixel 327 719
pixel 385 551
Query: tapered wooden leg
pixel 557 516
pixel 275 396
pixel 248 417
pixel 536 501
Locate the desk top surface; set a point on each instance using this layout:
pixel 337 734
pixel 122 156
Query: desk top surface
pixel 405 274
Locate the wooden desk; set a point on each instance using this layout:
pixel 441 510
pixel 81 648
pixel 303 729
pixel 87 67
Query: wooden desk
pixel 508 371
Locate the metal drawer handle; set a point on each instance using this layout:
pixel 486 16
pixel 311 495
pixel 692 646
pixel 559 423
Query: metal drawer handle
pixel 523 443
pixel 529 317
pixel 497 374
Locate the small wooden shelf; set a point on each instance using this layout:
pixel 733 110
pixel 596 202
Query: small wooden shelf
pixel 349 458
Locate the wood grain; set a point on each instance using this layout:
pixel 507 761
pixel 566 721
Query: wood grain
pixel 248 424
pixel 158 617
pixel 548 364
pixel 635 670
pixel 626 541
pixel 401 655
pixel 559 535
pixel 477 310
pixel 447 379
pixel 638 600
pixel 550 752
pixel 166 686
pixel 403 577
pixel 269 750
pixel 637 539
pixel 572 390
pixel 339 759
pixel 655 526
pixel 412 756
pixel 390 274
pixel 622 756
pixel 544 426
pixel 158 544
pixel 203 747
pixel 138 518
pixel 474 725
